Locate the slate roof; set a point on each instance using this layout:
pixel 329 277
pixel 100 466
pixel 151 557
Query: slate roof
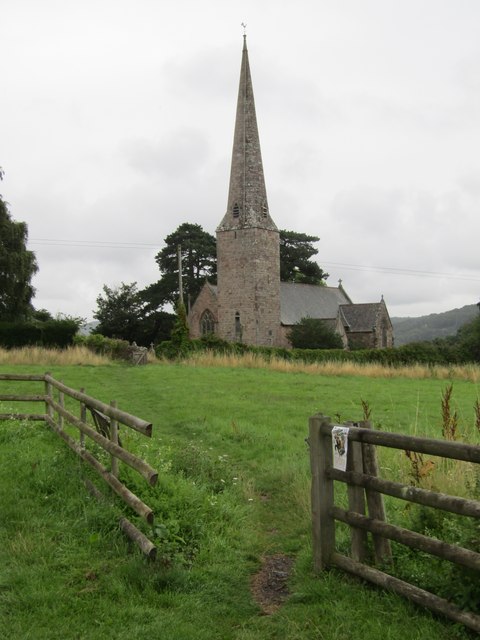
pixel 212 287
pixel 360 317
pixel 299 301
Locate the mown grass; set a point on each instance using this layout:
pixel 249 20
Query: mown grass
pixel 229 442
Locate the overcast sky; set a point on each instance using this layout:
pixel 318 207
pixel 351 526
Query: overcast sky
pixel 116 126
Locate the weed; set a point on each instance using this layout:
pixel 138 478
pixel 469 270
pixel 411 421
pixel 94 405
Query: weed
pixel 420 468
pixel 444 578
pixel 477 415
pixel 200 465
pixel 449 419
pixel 367 411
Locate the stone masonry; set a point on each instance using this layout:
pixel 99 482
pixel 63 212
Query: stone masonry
pixel 248 249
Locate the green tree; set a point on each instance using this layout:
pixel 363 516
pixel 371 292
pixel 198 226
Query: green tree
pixel 296 251
pixel 468 341
pixel 154 327
pixel 198 250
pixel 42 315
pixel 119 311
pixel 312 333
pixel 17 267
pixel 123 313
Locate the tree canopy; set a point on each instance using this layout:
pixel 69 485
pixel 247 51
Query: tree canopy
pixel 199 261
pixel 118 311
pixel 123 313
pixel 468 341
pixel 296 251
pixel 17 267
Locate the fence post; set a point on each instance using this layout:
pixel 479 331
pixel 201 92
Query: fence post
pixel 61 402
pixel 83 418
pixel 323 524
pixel 48 394
pixel 114 439
pixel 356 499
pixel 376 505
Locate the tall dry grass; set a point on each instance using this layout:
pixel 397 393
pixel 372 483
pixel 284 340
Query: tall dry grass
pixel 468 372
pixel 76 355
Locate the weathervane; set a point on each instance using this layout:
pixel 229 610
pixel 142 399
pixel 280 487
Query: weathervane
pixel 244 28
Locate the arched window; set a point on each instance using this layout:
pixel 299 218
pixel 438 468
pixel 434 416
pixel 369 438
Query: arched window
pixel 207 323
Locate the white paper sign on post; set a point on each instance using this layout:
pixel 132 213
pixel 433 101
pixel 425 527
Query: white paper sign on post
pixel 340 447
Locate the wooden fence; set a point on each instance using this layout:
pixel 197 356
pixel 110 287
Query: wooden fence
pixel 106 419
pixel 361 477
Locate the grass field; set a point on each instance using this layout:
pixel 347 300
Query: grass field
pixel 229 443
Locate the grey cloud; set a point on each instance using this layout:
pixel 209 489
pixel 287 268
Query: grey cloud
pixel 466 75
pixel 470 184
pixel 206 72
pixel 178 155
pixel 373 210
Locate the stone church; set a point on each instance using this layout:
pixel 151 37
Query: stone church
pixel 249 304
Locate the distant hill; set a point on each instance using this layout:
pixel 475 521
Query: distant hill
pixel 435 325
pixel 88 328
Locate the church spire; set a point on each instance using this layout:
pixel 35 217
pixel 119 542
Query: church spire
pixel 247 197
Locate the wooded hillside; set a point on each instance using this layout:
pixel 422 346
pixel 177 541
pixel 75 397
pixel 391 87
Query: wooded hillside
pixel 435 325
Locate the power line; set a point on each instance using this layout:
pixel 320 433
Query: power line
pixel 107 244
pixel 93 244
pixel 403 272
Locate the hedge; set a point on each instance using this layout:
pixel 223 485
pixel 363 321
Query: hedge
pixel 51 333
pixel 428 353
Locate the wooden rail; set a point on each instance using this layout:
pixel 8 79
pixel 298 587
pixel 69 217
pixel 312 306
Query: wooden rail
pixel 55 416
pixel 366 489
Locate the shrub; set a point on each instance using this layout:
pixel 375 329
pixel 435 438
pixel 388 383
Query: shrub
pixel 180 333
pixel 445 579
pixel 312 333
pixel 441 352
pixel 112 347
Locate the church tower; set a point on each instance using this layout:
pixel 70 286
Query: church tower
pixel 248 246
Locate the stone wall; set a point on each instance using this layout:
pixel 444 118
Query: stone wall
pixel 248 267
pixel 206 300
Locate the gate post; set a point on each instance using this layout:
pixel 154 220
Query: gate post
pixel 323 524
pixel 376 506
pixel 356 499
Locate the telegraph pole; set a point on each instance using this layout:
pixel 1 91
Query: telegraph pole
pixel 180 280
